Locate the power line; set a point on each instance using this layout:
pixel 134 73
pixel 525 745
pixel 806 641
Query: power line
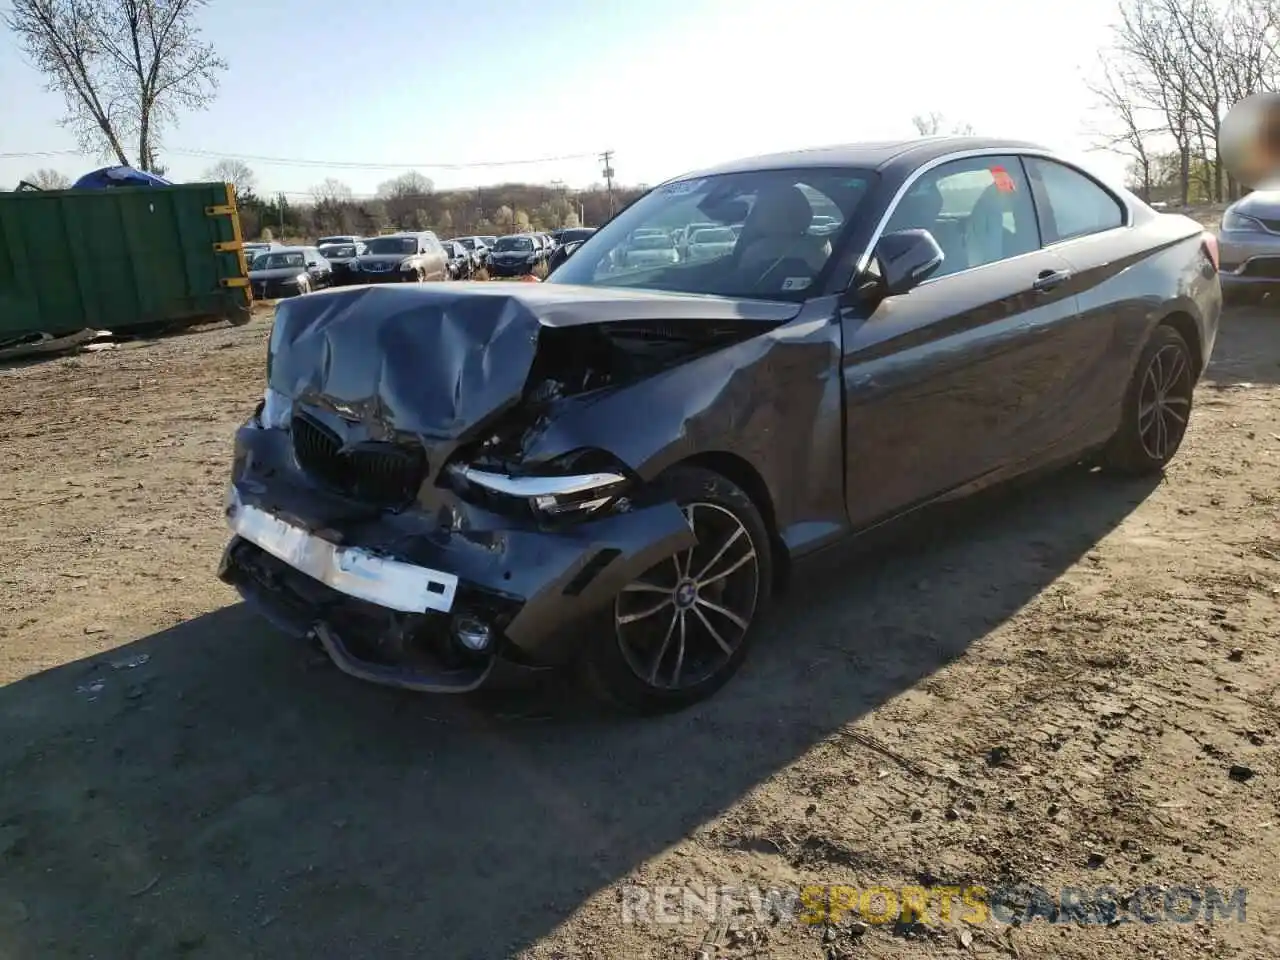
pixel 40 153
pixel 372 165
pixel 311 162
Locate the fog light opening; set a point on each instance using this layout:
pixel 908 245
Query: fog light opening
pixel 472 633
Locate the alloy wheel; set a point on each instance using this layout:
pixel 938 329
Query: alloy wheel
pixel 1164 402
pixel 686 618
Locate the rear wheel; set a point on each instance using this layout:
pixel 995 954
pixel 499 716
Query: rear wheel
pixel 1157 407
pixel 681 631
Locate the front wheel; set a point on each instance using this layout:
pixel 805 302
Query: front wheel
pixel 680 631
pixel 1157 407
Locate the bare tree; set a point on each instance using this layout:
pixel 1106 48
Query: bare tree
pixel 235 172
pixel 410 184
pixel 934 124
pixel 126 68
pixel 1133 127
pixel 332 191
pixel 48 180
pixel 1175 69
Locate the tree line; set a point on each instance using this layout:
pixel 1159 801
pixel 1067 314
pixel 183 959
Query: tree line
pixel 1171 72
pixel 411 202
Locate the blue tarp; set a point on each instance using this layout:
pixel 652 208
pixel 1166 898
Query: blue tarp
pixel 119 177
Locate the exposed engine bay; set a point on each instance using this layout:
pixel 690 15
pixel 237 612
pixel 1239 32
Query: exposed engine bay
pixel 572 362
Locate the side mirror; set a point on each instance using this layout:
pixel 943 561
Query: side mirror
pixel 313 263
pixel 906 259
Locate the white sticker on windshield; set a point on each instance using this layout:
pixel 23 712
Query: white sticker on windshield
pixel 682 187
pixel 796 283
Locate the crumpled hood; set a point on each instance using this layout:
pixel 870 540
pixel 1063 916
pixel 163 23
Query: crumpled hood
pixel 444 360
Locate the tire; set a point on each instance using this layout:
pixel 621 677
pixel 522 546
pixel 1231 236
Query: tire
pixel 1157 407
pixel 631 665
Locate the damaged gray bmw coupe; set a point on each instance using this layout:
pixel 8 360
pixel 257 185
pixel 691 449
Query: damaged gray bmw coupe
pixel 615 469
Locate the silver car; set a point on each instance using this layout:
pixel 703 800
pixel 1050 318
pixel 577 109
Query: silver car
pixel 1249 245
pixel 708 243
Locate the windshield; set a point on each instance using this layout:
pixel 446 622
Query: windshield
pixel 469 243
pixel 774 252
pixel 331 241
pixel 336 251
pixel 278 261
pixel 714 235
pixel 516 244
pixel 385 245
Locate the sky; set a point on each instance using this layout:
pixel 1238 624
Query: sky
pixel 458 90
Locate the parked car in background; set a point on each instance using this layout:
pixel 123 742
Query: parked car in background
pixel 649 250
pixel 682 234
pixel 489 241
pixel 478 248
pixel 253 248
pixel 340 256
pixel 614 471
pixel 288 272
pixel 401 257
pixel 461 265
pixel 572 234
pixel 1250 244
pixel 514 255
pixel 707 243
pixel 331 241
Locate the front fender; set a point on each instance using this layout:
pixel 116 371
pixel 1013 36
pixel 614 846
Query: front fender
pixel 773 401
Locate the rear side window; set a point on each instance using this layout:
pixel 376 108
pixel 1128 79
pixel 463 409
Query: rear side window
pixel 1072 204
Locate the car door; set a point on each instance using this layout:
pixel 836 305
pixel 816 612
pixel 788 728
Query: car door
pixel 1086 224
pixel 944 384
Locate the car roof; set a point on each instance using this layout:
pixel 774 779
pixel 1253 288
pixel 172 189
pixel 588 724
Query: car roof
pixel 875 155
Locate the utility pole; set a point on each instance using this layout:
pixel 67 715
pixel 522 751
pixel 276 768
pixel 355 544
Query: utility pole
pixel 282 218
pixel 607 159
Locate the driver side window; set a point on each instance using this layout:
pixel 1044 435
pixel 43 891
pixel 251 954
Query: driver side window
pixel 978 209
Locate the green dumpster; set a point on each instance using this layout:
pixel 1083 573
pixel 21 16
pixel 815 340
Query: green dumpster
pixel 120 259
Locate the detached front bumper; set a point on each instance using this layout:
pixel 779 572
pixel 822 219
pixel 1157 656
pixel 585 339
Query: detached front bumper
pixel 391 595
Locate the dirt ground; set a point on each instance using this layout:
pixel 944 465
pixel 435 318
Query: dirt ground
pixel 1051 690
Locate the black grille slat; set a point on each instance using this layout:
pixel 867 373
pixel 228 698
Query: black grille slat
pixel 387 474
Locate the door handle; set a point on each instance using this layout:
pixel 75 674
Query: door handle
pixel 1048 279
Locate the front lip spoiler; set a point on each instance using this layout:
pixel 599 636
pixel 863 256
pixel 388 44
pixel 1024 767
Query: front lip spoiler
pixel 384 676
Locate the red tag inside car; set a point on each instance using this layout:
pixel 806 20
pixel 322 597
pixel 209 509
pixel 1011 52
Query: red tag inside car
pixel 1004 183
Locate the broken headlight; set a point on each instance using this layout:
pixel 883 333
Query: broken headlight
pixel 569 495
pixel 277 410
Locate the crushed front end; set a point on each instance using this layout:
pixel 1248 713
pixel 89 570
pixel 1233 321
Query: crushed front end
pixel 365 514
